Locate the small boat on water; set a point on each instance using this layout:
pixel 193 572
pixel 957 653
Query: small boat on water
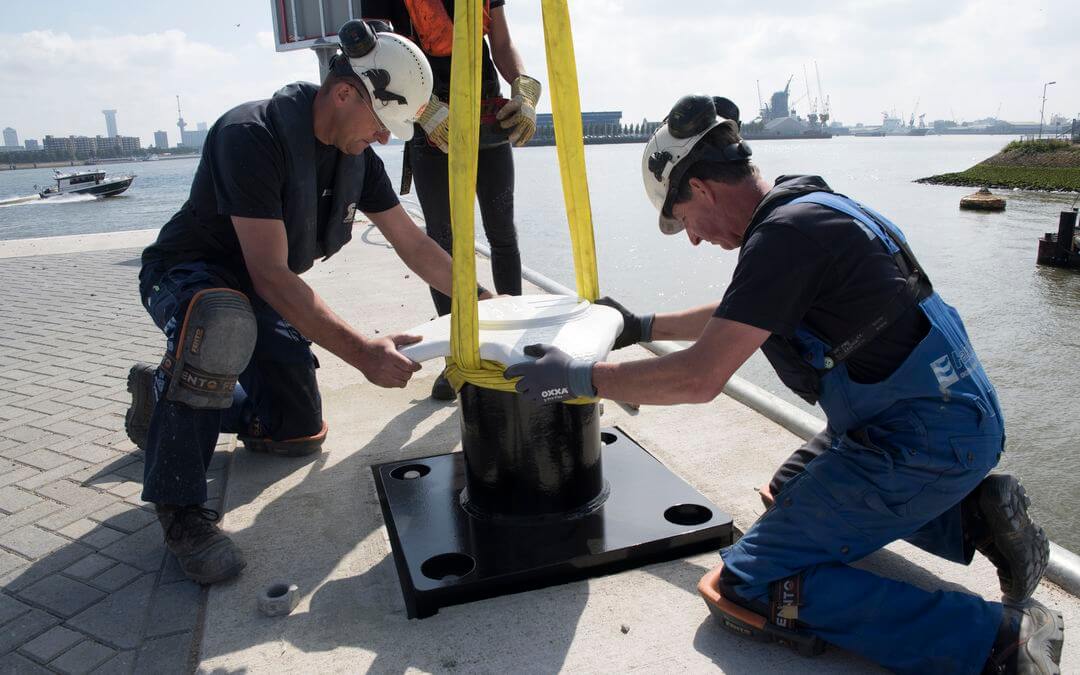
pixel 87 183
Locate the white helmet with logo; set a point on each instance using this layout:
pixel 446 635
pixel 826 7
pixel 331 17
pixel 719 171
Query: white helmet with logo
pixel 394 71
pixel 677 145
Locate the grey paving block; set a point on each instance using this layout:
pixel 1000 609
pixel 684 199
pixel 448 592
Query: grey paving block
pixel 90 452
pixel 13 473
pixel 89 567
pixel 43 459
pixel 50 564
pixel 27 516
pixel 32 542
pixel 115 578
pixel 61 595
pixel 48 645
pixel 24 434
pixel 25 628
pixel 66 492
pixel 65 516
pixel 121 664
pixel 11 608
pixel 13 499
pixel 142 549
pixel 46 477
pixel 124 517
pixel 10 562
pixel 83 658
pixel 47 407
pixel 17 664
pixel 165 656
pixel 118 619
pixel 175 607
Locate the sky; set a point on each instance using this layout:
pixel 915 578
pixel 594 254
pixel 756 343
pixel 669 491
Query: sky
pixel 63 62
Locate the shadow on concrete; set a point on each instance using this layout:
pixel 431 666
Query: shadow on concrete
pixel 304 536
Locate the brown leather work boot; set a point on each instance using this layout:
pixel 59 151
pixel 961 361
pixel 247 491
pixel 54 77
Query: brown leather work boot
pixel 997 522
pixel 204 552
pixel 1028 642
pixel 291 447
pixel 140 384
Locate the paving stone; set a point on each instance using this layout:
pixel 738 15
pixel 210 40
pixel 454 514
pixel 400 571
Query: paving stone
pixel 32 542
pixel 83 658
pixel 175 607
pixel 118 619
pixel 121 664
pixel 89 452
pixel 66 492
pixel 89 567
pixel 13 473
pixel 142 549
pixel 25 628
pixel 43 459
pixel 115 578
pixel 165 656
pixel 25 434
pixel 13 499
pixel 11 608
pixel 127 489
pixel 61 595
pixel 124 517
pixel 17 664
pixel 27 516
pixel 50 564
pixel 46 477
pixel 66 516
pixel 48 645
pixel 10 562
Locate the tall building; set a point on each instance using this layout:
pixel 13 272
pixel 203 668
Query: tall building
pixel 161 140
pixel 110 122
pixel 32 144
pixel 85 146
pixel 11 138
pixel 201 126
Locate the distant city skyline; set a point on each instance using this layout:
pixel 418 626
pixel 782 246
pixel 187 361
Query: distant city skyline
pixel 963 61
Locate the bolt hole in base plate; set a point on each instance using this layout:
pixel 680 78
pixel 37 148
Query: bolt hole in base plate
pixel 446 557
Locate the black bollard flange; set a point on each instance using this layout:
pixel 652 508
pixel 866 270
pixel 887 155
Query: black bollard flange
pixel 541 495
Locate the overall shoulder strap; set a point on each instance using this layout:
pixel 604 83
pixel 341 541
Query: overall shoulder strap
pixel 917 288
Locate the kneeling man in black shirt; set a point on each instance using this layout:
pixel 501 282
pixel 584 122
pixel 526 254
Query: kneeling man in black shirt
pixel 831 293
pixel 278 186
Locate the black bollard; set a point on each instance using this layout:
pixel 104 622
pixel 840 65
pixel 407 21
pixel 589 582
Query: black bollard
pixel 527 461
pixel 539 495
pixel 1066 230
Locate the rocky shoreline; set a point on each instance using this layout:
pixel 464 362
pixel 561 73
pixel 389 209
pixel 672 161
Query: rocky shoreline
pixel 1045 166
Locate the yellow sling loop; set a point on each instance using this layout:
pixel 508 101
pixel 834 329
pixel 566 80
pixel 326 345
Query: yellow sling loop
pixel 465 364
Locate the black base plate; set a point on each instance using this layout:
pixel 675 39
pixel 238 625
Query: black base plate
pixel 446 557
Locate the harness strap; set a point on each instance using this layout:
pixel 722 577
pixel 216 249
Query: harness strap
pixel 915 290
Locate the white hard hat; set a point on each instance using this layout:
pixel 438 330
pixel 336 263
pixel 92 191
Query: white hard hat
pixel 676 146
pixel 394 71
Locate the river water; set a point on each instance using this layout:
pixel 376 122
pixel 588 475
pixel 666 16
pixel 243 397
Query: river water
pixel 1022 319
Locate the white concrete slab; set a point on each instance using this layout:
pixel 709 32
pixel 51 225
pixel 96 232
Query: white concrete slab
pixel 316 522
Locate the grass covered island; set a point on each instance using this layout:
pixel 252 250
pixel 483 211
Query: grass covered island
pixel 1028 165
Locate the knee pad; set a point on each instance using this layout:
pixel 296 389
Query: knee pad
pixel 774 622
pixel 215 344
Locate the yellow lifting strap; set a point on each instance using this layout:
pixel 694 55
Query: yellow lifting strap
pixel 465 364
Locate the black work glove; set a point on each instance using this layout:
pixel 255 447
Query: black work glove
pixel 553 377
pixel 635 327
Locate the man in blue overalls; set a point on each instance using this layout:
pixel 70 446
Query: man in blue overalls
pixel 831 293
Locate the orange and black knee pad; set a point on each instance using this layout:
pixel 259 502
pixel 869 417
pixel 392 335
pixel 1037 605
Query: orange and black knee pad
pixel 214 346
pixel 780 626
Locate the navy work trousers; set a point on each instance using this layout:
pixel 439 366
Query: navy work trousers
pixel 277 395
pixel 494 193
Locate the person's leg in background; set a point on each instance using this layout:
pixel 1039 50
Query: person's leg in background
pixel 495 192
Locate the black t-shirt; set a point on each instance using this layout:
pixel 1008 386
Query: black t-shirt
pixel 808 264
pixel 242 173
pixel 397 14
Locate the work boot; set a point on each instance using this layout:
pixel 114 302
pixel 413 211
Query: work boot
pixel 997 523
pixel 140 383
pixel 442 390
pixel 291 447
pixel 1028 641
pixel 204 552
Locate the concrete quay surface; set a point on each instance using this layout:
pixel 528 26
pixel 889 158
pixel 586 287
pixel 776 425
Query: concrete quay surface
pixel 88 587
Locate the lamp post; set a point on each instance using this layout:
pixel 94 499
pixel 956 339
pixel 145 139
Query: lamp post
pixel 1043 108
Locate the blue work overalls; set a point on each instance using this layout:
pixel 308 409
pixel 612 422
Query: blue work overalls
pixel 904 452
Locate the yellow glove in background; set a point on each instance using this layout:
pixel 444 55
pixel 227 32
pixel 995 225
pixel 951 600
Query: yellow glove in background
pixel 520 113
pixel 435 120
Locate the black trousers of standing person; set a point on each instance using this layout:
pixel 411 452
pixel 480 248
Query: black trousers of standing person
pixel 494 192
